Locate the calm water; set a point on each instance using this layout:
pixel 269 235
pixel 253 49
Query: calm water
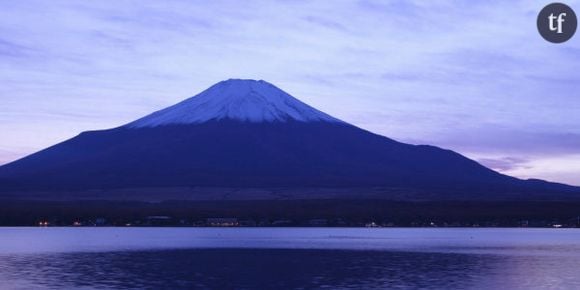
pixel 279 258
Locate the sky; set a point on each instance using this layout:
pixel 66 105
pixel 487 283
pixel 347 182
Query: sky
pixel 471 76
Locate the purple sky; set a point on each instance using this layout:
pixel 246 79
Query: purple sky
pixel 474 77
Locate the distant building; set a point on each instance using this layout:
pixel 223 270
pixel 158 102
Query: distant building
pixel 282 223
pixel 158 220
pixel 222 222
pixel 318 222
pixel 341 223
pixel 199 223
pixel 247 223
pixel 100 221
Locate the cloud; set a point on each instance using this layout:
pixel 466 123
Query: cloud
pixel 563 168
pixel 9 49
pixel 505 163
pixel 508 140
pixel 325 23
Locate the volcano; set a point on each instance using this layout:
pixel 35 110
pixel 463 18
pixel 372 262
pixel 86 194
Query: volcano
pixel 247 136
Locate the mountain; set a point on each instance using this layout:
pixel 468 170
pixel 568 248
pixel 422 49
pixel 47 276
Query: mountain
pixel 239 100
pixel 245 134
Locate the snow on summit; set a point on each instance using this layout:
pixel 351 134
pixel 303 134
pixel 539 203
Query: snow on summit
pixel 236 99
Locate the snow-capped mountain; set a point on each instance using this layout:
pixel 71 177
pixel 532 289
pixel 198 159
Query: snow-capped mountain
pixel 244 134
pixel 236 99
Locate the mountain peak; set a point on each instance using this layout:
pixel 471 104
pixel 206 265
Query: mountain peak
pixel 236 99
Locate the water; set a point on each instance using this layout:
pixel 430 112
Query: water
pixel 288 258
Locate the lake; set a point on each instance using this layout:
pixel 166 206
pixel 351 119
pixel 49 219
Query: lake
pixel 289 258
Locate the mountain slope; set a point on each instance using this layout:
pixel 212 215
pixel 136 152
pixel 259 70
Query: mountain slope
pixel 242 133
pixel 235 99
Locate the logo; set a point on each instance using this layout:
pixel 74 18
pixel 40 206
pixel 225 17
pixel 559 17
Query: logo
pixel 557 23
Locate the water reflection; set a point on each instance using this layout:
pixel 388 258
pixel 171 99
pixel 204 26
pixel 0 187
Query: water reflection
pixel 263 258
pixel 283 269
